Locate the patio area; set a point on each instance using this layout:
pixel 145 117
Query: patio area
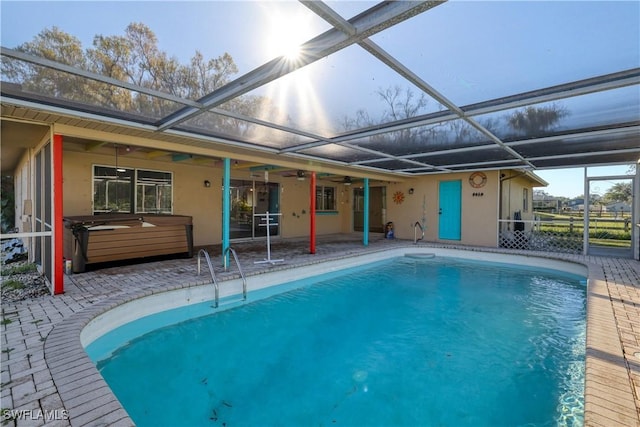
pixel 45 372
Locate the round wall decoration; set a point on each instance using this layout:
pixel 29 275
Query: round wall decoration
pixel 477 179
pixel 398 197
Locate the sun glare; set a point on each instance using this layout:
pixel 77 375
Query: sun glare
pixel 293 100
pixel 291 52
pixel 286 34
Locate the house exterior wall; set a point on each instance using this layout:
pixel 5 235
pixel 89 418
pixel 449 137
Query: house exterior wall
pixel 478 217
pixel 345 205
pixel 192 198
pixel 513 186
pixel 294 206
pixel 480 207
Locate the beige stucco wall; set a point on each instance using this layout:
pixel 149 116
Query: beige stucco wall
pixel 295 202
pixel 294 206
pixel 513 184
pixel 479 213
pixel 480 206
pixel 191 197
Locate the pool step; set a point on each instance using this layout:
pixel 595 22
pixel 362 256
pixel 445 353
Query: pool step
pixel 421 255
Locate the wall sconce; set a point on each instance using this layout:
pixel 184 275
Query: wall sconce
pixel 300 174
pixel 347 180
pixel 411 191
pixel 207 183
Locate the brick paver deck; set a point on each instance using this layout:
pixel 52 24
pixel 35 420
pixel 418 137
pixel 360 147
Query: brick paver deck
pixel 48 379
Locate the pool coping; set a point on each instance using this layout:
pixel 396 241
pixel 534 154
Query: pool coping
pixel 609 395
pixel 230 294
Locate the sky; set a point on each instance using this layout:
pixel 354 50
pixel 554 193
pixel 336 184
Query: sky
pixel 570 182
pixel 212 27
pixel 491 51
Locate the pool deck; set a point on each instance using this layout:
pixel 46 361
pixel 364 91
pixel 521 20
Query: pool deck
pixel 48 379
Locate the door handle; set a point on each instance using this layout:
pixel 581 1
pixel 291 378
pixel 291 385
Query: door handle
pixel 440 211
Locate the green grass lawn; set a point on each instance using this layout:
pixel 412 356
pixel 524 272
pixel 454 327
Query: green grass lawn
pixel 605 230
pixel 611 243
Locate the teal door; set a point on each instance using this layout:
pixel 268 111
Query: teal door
pixel 450 210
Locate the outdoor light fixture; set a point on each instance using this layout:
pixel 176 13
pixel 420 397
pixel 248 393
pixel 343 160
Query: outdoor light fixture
pixel 347 180
pixel 411 191
pixel 300 174
pixel 207 183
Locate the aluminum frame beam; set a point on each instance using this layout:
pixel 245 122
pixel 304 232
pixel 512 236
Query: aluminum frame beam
pixel 368 23
pixel 553 93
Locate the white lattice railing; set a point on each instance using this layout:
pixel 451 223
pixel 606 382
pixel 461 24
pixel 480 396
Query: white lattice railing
pixel 552 236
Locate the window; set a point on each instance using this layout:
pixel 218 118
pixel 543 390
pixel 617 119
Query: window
pixel 325 198
pixel 111 189
pixel 525 200
pixel 123 189
pixel 153 192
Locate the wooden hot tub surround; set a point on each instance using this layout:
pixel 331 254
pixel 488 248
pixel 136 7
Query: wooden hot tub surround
pixel 115 237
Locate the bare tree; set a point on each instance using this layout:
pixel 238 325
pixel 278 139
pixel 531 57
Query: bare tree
pixel 534 121
pixel 133 58
pixel 55 45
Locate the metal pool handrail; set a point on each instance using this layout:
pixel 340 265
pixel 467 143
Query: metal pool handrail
pixel 415 231
pixel 244 281
pixel 213 275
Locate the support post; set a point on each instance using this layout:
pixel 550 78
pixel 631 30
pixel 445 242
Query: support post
pixel 58 224
pixel 587 201
pixel 226 210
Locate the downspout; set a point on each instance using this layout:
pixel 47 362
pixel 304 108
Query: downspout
pixel 500 195
pixel 507 178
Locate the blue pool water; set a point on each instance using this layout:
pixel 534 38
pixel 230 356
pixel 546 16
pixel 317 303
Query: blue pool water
pixel 405 342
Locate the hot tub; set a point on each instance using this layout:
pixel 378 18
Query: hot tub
pixel 114 237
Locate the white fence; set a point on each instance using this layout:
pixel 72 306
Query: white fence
pixel 549 236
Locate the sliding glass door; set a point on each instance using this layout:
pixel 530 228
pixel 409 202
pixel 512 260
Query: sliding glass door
pixel 250 201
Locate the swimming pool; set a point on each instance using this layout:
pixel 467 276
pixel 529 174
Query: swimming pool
pixel 430 341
